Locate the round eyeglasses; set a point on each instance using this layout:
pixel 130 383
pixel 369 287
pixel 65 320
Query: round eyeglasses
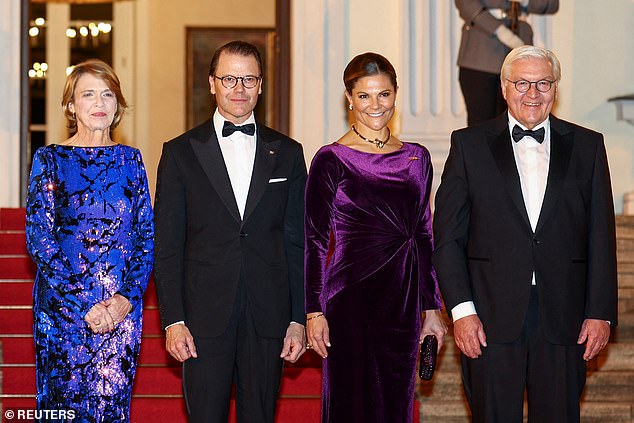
pixel 522 85
pixel 230 81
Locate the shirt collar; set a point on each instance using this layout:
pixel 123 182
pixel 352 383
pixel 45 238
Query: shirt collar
pixel 512 122
pixel 219 122
pixel 545 124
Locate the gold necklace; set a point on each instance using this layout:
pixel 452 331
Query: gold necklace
pixel 379 143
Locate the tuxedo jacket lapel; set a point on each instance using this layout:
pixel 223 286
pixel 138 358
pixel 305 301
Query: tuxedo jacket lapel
pixel 560 152
pixel 502 150
pixel 266 152
pixel 207 151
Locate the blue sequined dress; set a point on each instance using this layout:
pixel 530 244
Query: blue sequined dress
pixel 90 231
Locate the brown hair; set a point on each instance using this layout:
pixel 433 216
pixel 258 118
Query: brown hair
pixel 102 71
pixel 241 48
pixel 367 64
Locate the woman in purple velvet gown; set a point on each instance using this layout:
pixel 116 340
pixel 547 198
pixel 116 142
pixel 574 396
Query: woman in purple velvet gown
pixel 89 229
pixel 369 277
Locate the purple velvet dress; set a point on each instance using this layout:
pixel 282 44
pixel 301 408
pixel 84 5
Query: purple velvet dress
pixel 372 289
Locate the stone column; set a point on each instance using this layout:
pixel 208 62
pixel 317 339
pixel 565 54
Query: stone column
pixel 419 37
pixel 10 105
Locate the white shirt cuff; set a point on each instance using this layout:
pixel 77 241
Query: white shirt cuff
pixel 464 309
pixel 180 322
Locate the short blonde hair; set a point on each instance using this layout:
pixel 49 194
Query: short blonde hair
pixel 525 52
pixel 101 70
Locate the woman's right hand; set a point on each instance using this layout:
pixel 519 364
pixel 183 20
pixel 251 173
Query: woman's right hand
pixel 318 333
pixel 99 319
pixel 118 306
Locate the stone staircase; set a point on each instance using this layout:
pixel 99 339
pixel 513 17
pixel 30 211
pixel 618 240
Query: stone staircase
pixel 609 392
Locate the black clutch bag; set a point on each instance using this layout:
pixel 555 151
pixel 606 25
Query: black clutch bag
pixel 427 359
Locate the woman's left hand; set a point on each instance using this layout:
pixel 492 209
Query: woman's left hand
pixel 118 306
pixel 99 319
pixel 434 324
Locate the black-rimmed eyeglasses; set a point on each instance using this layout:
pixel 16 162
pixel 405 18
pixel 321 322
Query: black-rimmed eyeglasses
pixel 522 85
pixel 230 81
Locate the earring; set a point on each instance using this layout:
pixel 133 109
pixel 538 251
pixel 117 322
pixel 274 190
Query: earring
pixel 350 106
pixel 394 103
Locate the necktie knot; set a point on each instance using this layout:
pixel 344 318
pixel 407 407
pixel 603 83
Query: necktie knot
pixel 519 133
pixel 229 128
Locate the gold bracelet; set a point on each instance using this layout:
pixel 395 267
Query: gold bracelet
pixel 315 316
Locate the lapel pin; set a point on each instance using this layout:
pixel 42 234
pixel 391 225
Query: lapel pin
pixel 414 158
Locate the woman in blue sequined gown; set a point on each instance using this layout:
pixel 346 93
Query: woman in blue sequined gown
pixel 90 232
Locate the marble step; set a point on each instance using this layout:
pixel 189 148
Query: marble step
pixel 626 300
pixel 452 411
pixel 610 386
pixel 625 246
pixel 614 386
pixel 625 227
pixel 618 356
pixel 624 332
pixel 625 265
pixel 626 279
pixel 625 292
pixel 614 367
pixel 446 385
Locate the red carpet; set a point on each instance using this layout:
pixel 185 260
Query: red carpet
pixel 12 219
pixel 13 243
pixel 157 393
pixel 16 267
pixel 16 292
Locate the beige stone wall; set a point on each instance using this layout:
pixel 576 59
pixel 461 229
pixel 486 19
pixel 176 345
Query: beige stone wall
pixel 592 39
pixel 593 42
pixel 9 106
pixel 160 75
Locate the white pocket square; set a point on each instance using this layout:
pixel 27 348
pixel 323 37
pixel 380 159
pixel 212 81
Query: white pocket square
pixel 274 180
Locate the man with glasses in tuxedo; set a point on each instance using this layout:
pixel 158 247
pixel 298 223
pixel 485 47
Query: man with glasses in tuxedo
pixel 526 251
pixel 229 249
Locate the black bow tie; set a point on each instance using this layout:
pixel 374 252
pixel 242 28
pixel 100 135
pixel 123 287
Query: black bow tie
pixel 519 133
pixel 229 128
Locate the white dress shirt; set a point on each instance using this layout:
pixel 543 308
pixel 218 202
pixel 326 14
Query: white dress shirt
pixel 532 160
pixel 238 152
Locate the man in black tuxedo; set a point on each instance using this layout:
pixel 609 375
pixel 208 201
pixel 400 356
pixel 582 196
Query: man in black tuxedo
pixel 526 250
pixel 230 248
